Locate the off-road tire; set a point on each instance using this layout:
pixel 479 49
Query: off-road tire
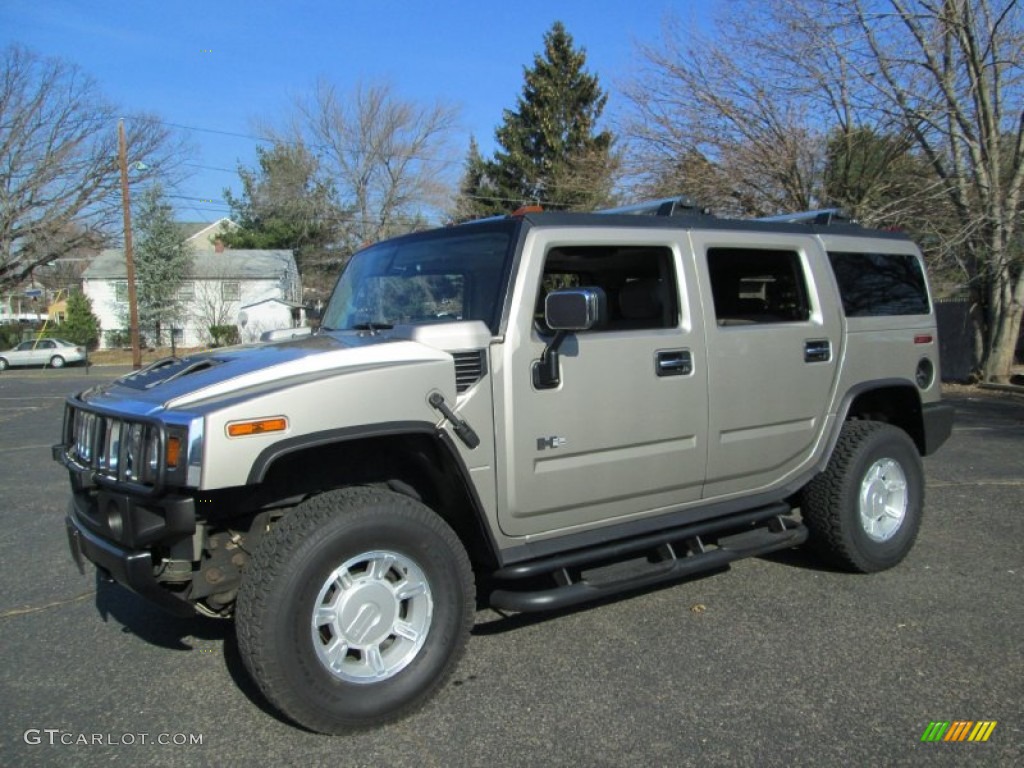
pixel 284 586
pixel 832 503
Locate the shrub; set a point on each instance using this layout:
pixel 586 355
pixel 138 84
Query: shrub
pixel 224 335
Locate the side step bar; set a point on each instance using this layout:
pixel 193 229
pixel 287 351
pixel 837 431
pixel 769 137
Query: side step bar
pixel 676 554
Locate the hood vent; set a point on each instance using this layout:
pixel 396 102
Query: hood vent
pixel 469 369
pixel 165 370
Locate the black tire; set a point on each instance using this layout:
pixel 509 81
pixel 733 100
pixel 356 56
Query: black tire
pixel 3 364
pixel 858 516
pixel 56 361
pixel 311 559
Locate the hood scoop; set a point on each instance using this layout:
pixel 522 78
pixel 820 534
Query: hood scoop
pixel 165 370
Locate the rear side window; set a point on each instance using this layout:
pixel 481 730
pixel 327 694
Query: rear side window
pixel 757 286
pixel 880 284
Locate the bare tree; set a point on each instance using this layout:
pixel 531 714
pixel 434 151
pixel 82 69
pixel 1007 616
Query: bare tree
pixel 707 122
pixel 952 71
pixel 388 158
pixel 59 186
pixel 760 101
pixel 210 308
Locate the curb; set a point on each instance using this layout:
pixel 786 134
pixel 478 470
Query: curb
pixel 1015 389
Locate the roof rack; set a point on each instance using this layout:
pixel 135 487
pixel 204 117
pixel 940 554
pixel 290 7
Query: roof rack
pixel 823 217
pixel 669 206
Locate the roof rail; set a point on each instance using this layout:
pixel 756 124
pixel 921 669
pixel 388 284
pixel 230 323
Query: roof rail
pixel 824 217
pixel 669 206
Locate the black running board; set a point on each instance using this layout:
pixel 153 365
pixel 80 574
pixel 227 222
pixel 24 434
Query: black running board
pixel 679 553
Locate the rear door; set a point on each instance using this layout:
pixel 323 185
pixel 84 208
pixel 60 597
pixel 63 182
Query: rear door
pixel 624 432
pixel 774 351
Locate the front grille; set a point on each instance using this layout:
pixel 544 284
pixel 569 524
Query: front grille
pixel 469 369
pixel 121 450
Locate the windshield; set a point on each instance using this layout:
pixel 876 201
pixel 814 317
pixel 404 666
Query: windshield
pixel 444 276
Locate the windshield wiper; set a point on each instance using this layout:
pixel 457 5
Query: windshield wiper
pixel 372 326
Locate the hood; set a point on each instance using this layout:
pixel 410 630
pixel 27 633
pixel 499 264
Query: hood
pixel 178 382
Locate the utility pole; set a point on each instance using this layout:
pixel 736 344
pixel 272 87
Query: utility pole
pixel 133 305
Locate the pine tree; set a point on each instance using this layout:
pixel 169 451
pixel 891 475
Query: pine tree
pixel 162 261
pixel 550 150
pixel 80 325
pixel 476 197
pixel 286 203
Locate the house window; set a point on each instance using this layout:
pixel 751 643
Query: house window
pixel 121 291
pixel 187 291
pixel 230 291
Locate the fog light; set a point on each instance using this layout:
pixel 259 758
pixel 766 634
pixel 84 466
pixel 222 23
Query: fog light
pixel 115 521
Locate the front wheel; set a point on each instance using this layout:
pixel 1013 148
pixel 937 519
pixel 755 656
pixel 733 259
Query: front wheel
pixel 3 364
pixel 864 511
pixel 355 609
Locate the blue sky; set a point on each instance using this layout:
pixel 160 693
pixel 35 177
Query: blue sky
pixel 218 64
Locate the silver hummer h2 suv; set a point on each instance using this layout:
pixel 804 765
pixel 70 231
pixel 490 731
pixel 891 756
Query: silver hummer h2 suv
pixel 544 408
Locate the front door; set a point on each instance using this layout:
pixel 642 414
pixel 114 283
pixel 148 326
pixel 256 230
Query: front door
pixel 623 434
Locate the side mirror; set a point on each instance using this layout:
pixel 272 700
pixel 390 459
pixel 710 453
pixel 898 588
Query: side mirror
pixel 575 309
pixel 565 310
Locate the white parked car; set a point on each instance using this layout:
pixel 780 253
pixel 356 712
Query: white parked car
pixel 55 353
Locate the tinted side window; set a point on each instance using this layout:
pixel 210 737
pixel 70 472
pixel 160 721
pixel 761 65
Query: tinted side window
pixel 639 282
pixel 752 285
pixel 877 284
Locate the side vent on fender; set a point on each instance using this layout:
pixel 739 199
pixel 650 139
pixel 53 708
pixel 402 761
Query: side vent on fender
pixel 469 368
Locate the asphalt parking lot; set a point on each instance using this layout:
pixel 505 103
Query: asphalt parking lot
pixel 777 662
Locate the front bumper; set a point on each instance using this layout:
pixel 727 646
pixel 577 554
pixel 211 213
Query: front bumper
pixel 119 534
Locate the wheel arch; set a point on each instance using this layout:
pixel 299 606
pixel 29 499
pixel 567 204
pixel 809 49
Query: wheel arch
pixel 890 401
pixel 412 458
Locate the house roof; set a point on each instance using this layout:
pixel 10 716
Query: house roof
pixel 272 300
pixel 189 229
pixel 199 233
pixel 206 265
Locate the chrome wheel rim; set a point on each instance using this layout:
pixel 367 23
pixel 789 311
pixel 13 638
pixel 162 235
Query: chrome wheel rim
pixel 883 500
pixel 371 617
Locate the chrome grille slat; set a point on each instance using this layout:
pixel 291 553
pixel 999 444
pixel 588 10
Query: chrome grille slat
pixel 114 448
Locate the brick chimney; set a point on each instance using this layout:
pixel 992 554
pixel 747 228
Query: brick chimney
pixel 218 245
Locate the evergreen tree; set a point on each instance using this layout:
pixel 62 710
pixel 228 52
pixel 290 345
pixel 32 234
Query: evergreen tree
pixel 162 261
pixel 80 325
pixel 476 197
pixel 286 204
pixel 550 151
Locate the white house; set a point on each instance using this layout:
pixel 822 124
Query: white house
pixel 255 290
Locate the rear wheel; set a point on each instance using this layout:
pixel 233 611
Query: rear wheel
pixel 56 361
pixel 3 364
pixel 355 609
pixel 864 510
